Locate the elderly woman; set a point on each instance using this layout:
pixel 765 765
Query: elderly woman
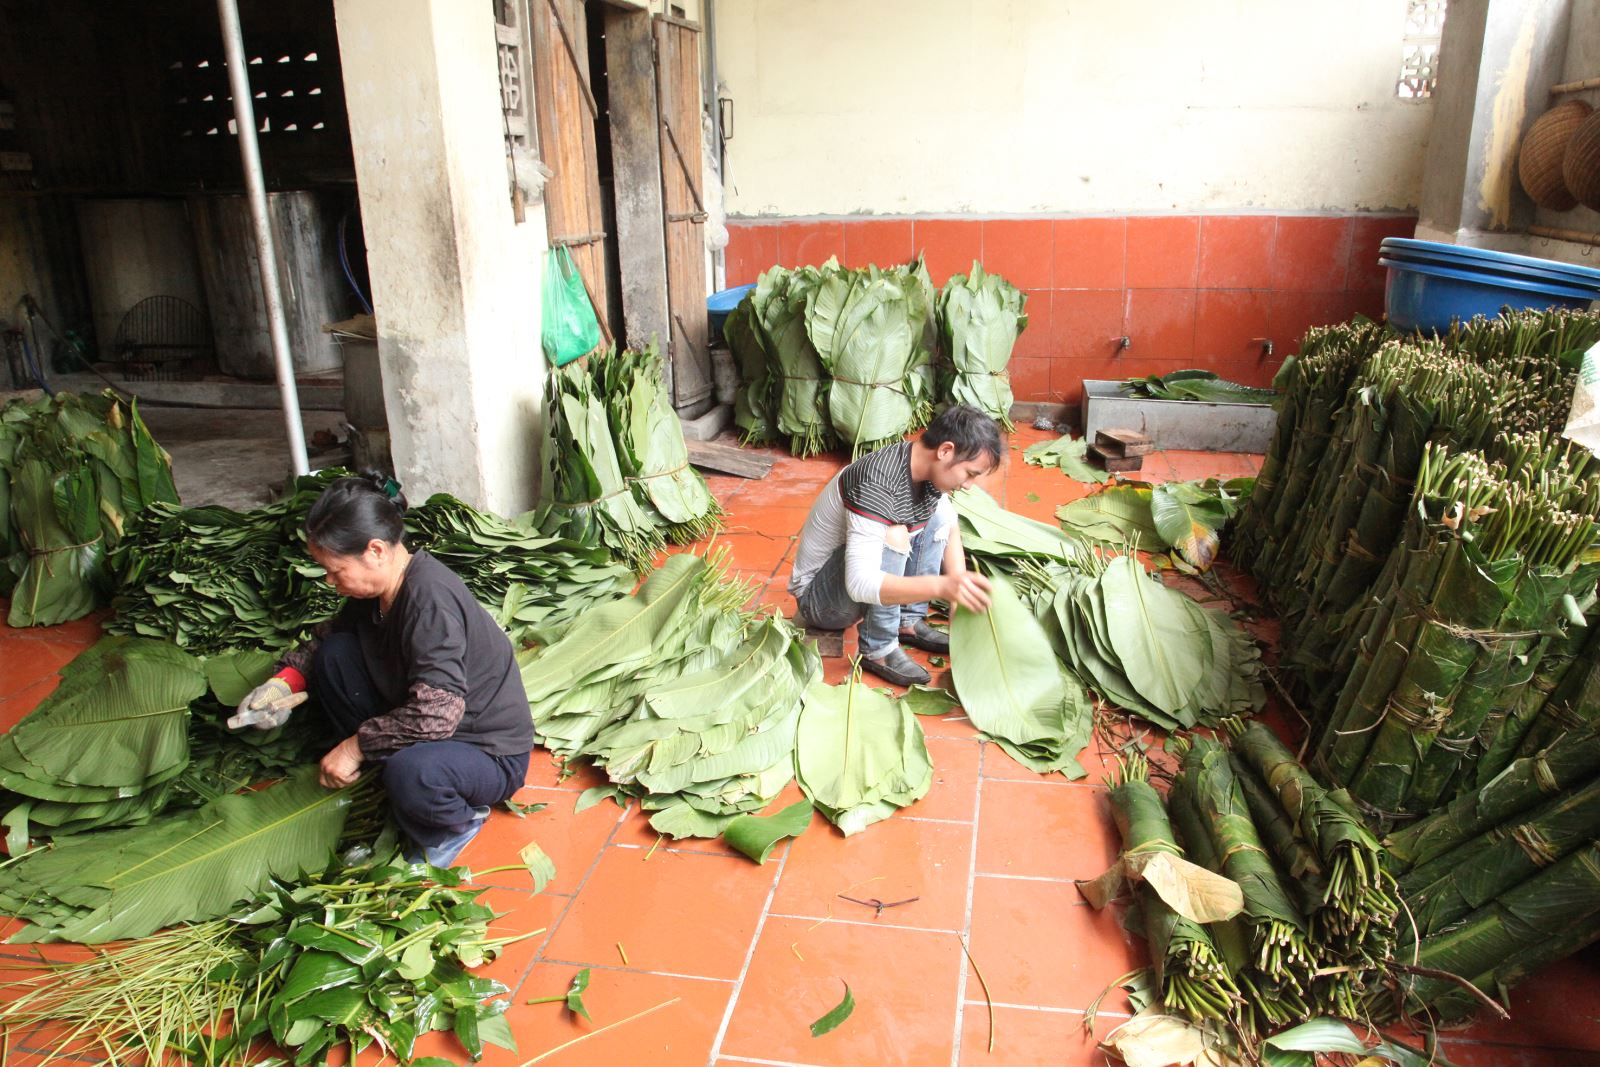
pixel 413 673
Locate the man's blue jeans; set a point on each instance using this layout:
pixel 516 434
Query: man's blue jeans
pixel 826 604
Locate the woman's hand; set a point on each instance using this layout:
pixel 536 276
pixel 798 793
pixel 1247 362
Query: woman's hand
pixel 342 765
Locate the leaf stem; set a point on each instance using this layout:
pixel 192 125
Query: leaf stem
pixel 603 1029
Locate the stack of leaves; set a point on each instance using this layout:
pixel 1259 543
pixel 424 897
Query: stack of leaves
pixel 93 888
pixel 980 316
pixel 860 754
pixel 1014 687
pixel 106 747
pixel 1495 543
pixel 783 385
pixel 529 581
pixel 650 446
pixel 1185 518
pixel 1068 455
pixel 1202 385
pixel 679 695
pixel 1135 641
pixel 74 472
pixel 1176 898
pixel 356 956
pixel 718 740
pixel 210 578
pixel 866 326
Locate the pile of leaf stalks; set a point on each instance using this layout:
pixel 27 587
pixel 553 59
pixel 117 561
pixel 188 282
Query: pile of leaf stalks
pixel 372 954
pixel 829 356
pixel 1428 541
pixel 75 472
pixel 1200 385
pixel 210 579
pixel 1100 620
pixel 617 469
pixel 1263 898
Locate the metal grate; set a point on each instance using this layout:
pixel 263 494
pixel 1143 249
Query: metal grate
pixel 164 338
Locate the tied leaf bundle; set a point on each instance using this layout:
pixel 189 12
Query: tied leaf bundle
pixel 94 888
pixel 860 754
pixel 866 326
pixel 1191 974
pixel 980 316
pixel 783 385
pixel 683 698
pixel 1200 385
pixel 355 956
pixel 617 469
pixel 74 472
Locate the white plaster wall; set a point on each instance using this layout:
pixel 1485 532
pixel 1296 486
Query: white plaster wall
pixel 455 281
pixel 1046 106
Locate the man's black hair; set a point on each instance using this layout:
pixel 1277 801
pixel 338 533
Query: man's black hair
pixel 970 430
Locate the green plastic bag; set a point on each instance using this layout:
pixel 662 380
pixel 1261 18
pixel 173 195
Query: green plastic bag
pixel 570 328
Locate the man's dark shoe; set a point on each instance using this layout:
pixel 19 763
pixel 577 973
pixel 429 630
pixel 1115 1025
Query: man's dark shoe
pixel 926 638
pixel 899 668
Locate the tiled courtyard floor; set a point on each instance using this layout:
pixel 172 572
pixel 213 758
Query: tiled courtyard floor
pixel 745 957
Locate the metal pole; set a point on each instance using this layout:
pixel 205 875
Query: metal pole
pixel 244 114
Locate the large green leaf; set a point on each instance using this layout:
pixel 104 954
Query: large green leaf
pixel 1117 514
pixel 1013 687
pixel 1160 636
pixel 757 835
pixel 1069 456
pixel 1190 520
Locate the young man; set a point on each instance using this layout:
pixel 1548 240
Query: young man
pixel 882 540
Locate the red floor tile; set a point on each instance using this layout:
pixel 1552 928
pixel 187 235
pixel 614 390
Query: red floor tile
pixel 898 859
pixel 954 793
pixel 903 981
pixel 1043 830
pixel 573 842
pixel 678 913
pixel 1040 945
pixel 1025 1037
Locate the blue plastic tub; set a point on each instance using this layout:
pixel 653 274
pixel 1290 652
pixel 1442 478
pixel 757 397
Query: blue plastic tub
pixel 1424 296
pixel 1486 260
pixel 720 303
pixel 1514 271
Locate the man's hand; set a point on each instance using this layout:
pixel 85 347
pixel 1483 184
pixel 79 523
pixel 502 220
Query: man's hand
pixel 342 765
pixel 968 589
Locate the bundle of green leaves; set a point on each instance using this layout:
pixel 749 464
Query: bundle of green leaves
pixel 1185 518
pixel 980 316
pixel 74 472
pixel 356 956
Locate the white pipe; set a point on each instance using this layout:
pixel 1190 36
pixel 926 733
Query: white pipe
pixel 244 117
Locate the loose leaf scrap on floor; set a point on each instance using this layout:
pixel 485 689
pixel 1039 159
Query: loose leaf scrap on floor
pixel 837 1015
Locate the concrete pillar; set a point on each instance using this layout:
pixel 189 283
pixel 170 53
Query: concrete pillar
pixel 1497 61
pixel 455 281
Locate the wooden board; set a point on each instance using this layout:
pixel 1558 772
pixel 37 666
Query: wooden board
pixel 562 97
pixel 726 459
pixel 678 106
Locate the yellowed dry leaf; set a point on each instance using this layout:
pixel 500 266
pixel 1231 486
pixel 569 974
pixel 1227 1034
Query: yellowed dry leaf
pixel 1103 890
pixel 1153 1039
pixel 1197 894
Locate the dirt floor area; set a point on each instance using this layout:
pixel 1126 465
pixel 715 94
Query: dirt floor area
pixel 745 957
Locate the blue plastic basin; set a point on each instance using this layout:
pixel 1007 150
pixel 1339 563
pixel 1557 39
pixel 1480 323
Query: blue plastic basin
pixel 1486 260
pixel 720 303
pixel 1423 296
pixel 1512 271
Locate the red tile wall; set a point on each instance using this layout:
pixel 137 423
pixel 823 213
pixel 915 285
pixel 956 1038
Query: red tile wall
pixel 1186 290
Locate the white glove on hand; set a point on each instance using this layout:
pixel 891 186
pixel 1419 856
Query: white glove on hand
pixel 258 710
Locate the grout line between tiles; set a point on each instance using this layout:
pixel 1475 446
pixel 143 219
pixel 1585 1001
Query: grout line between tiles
pixel 1026 878
pixel 821 919
pixel 1053 1011
pixel 544 943
pixel 941 822
pixel 768 1063
pixel 749 956
pixel 966 920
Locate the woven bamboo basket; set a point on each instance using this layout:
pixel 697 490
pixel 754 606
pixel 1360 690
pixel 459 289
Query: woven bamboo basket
pixel 1540 161
pixel 1580 168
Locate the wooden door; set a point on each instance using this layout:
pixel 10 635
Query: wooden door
pixel 683 207
pixel 567 111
